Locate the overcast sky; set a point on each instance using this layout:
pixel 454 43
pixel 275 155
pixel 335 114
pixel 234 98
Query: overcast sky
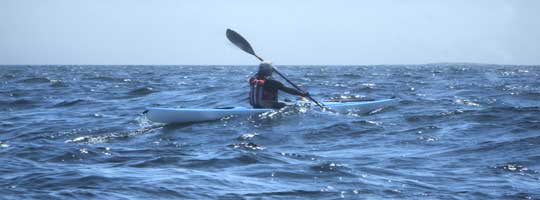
pixel 303 32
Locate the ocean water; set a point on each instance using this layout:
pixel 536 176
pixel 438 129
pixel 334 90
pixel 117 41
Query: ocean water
pixel 460 131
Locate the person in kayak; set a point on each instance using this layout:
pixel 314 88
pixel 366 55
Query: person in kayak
pixel 264 89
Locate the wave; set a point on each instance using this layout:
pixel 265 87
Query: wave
pixel 107 137
pixel 221 163
pixel 513 146
pixel 105 79
pixel 143 91
pixel 35 80
pixel 57 83
pixel 19 103
pixel 8 76
pixel 159 161
pixel 247 146
pixel 515 167
pixel 69 103
pixel 289 194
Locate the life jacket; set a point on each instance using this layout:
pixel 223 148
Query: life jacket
pixel 257 94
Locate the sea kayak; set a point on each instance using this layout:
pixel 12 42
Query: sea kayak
pixel 192 115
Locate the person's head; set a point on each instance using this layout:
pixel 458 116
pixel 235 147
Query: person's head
pixel 265 69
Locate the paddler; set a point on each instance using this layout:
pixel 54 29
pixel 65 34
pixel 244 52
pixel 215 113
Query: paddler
pixel 264 89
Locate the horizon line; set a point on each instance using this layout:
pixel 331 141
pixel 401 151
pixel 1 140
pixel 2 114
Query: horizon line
pixel 304 65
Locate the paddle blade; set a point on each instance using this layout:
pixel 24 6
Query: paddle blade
pixel 239 41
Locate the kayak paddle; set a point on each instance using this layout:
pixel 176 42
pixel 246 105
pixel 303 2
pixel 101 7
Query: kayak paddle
pixel 243 44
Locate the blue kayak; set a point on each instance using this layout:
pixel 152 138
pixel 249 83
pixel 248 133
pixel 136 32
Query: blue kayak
pixel 191 115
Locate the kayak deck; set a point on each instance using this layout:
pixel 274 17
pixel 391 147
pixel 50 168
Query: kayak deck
pixel 191 115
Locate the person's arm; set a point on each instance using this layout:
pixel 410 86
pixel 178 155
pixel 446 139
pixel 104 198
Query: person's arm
pixel 290 90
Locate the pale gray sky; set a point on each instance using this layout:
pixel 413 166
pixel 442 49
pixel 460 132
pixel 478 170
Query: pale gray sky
pixel 304 32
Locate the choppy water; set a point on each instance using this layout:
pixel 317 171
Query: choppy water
pixel 460 132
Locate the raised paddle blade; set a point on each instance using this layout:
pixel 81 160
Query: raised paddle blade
pixel 239 41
